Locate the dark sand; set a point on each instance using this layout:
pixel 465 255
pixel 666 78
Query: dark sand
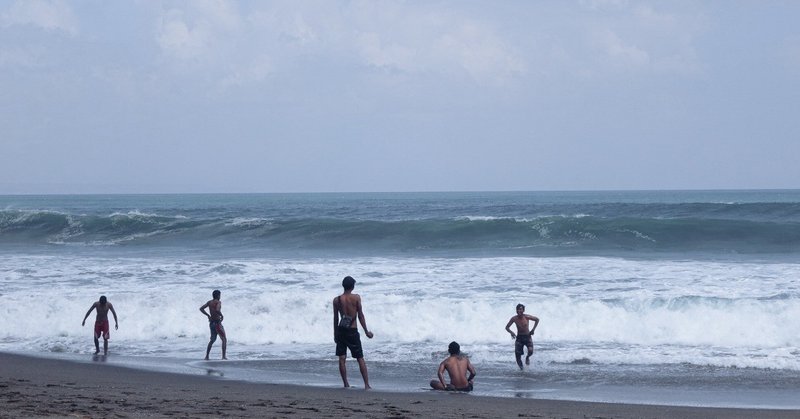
pixel 42 387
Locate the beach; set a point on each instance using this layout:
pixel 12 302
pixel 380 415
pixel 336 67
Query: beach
pixel 619 281
pixel 43 387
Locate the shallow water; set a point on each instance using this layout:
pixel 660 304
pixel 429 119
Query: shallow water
pixel 679 298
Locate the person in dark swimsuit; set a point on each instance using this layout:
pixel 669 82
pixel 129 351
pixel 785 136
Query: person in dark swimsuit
pixel 346 310
pixel 524 336
pixel 215 322
pixel 457 366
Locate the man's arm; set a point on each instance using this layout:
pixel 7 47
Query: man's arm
pixel 203 310
pixel 472 372
pixel 335 319
pixel 441 375
pixel 116 323
pixel 535 323
pixel 508 328
pixel 363 319
pixel 87 314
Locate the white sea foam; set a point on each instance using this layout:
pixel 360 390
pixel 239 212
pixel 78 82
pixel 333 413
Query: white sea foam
pixel 139 215
pixel 249 222
pixel 605 310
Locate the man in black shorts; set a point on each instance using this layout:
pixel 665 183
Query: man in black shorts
pixel 457 367
pixel 346 309
pixel 523 336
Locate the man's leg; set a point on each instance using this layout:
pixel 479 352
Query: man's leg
pixel 105 346
pixel 437 385
pixel 210 342
pixel 343 370
pixel 96 344
pixel 211 339
pixel 530 352
pixel 362 366
pixel 518 353
pixel 224 346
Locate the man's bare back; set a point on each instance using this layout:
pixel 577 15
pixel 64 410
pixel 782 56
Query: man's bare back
pixel 456 367
pixel 349 304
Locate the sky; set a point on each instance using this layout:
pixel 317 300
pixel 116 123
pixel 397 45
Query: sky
pixel 345 96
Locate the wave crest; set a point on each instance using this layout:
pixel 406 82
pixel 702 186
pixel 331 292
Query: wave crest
pixel 489 235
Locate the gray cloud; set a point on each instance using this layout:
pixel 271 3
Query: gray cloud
pixel 327 96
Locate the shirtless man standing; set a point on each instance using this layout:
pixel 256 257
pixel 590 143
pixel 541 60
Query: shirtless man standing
pixel 345 330
pixel 215 322
pixel 523 336
pixel 101 323
pixel 457 366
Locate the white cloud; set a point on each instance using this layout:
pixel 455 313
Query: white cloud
pixel 377 53
pixel 53 15
pixel 198 27
pixel 442 43
pixel 398 37
pixel 630 37
pixel 481 53
pixel 620 52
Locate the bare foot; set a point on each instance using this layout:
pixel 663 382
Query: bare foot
pixel 367 387
pixel 528 360
pixel 206 358
pixel 224 358
pixel 96 352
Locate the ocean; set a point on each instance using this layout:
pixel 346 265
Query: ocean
pixel 672 297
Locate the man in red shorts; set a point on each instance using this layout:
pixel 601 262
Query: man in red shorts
pixel 101 323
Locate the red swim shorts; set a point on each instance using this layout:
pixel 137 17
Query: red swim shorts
pixel 101 328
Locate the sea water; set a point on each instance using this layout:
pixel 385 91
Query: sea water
pixel 679 297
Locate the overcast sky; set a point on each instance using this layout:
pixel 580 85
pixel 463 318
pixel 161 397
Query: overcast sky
pixel 306 96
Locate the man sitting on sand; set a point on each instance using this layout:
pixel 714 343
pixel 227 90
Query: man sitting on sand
pixel 456 366
pixel 101 323
pixel 215 322
pixel 523 336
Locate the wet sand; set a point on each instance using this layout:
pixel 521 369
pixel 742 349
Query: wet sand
pixel 43 387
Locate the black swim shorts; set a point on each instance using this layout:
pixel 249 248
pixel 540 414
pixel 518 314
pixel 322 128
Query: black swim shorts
pixel 450 387
pixel 349 338
pixel 521 343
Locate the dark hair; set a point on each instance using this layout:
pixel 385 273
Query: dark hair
pixel 520 306
pixel 348 283
pixel 216 294
pixel 454 348
pixel 103 299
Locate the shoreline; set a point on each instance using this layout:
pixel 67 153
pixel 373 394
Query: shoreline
pixel 36 386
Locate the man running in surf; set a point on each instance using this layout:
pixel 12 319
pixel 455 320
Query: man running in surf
pixel 524 337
